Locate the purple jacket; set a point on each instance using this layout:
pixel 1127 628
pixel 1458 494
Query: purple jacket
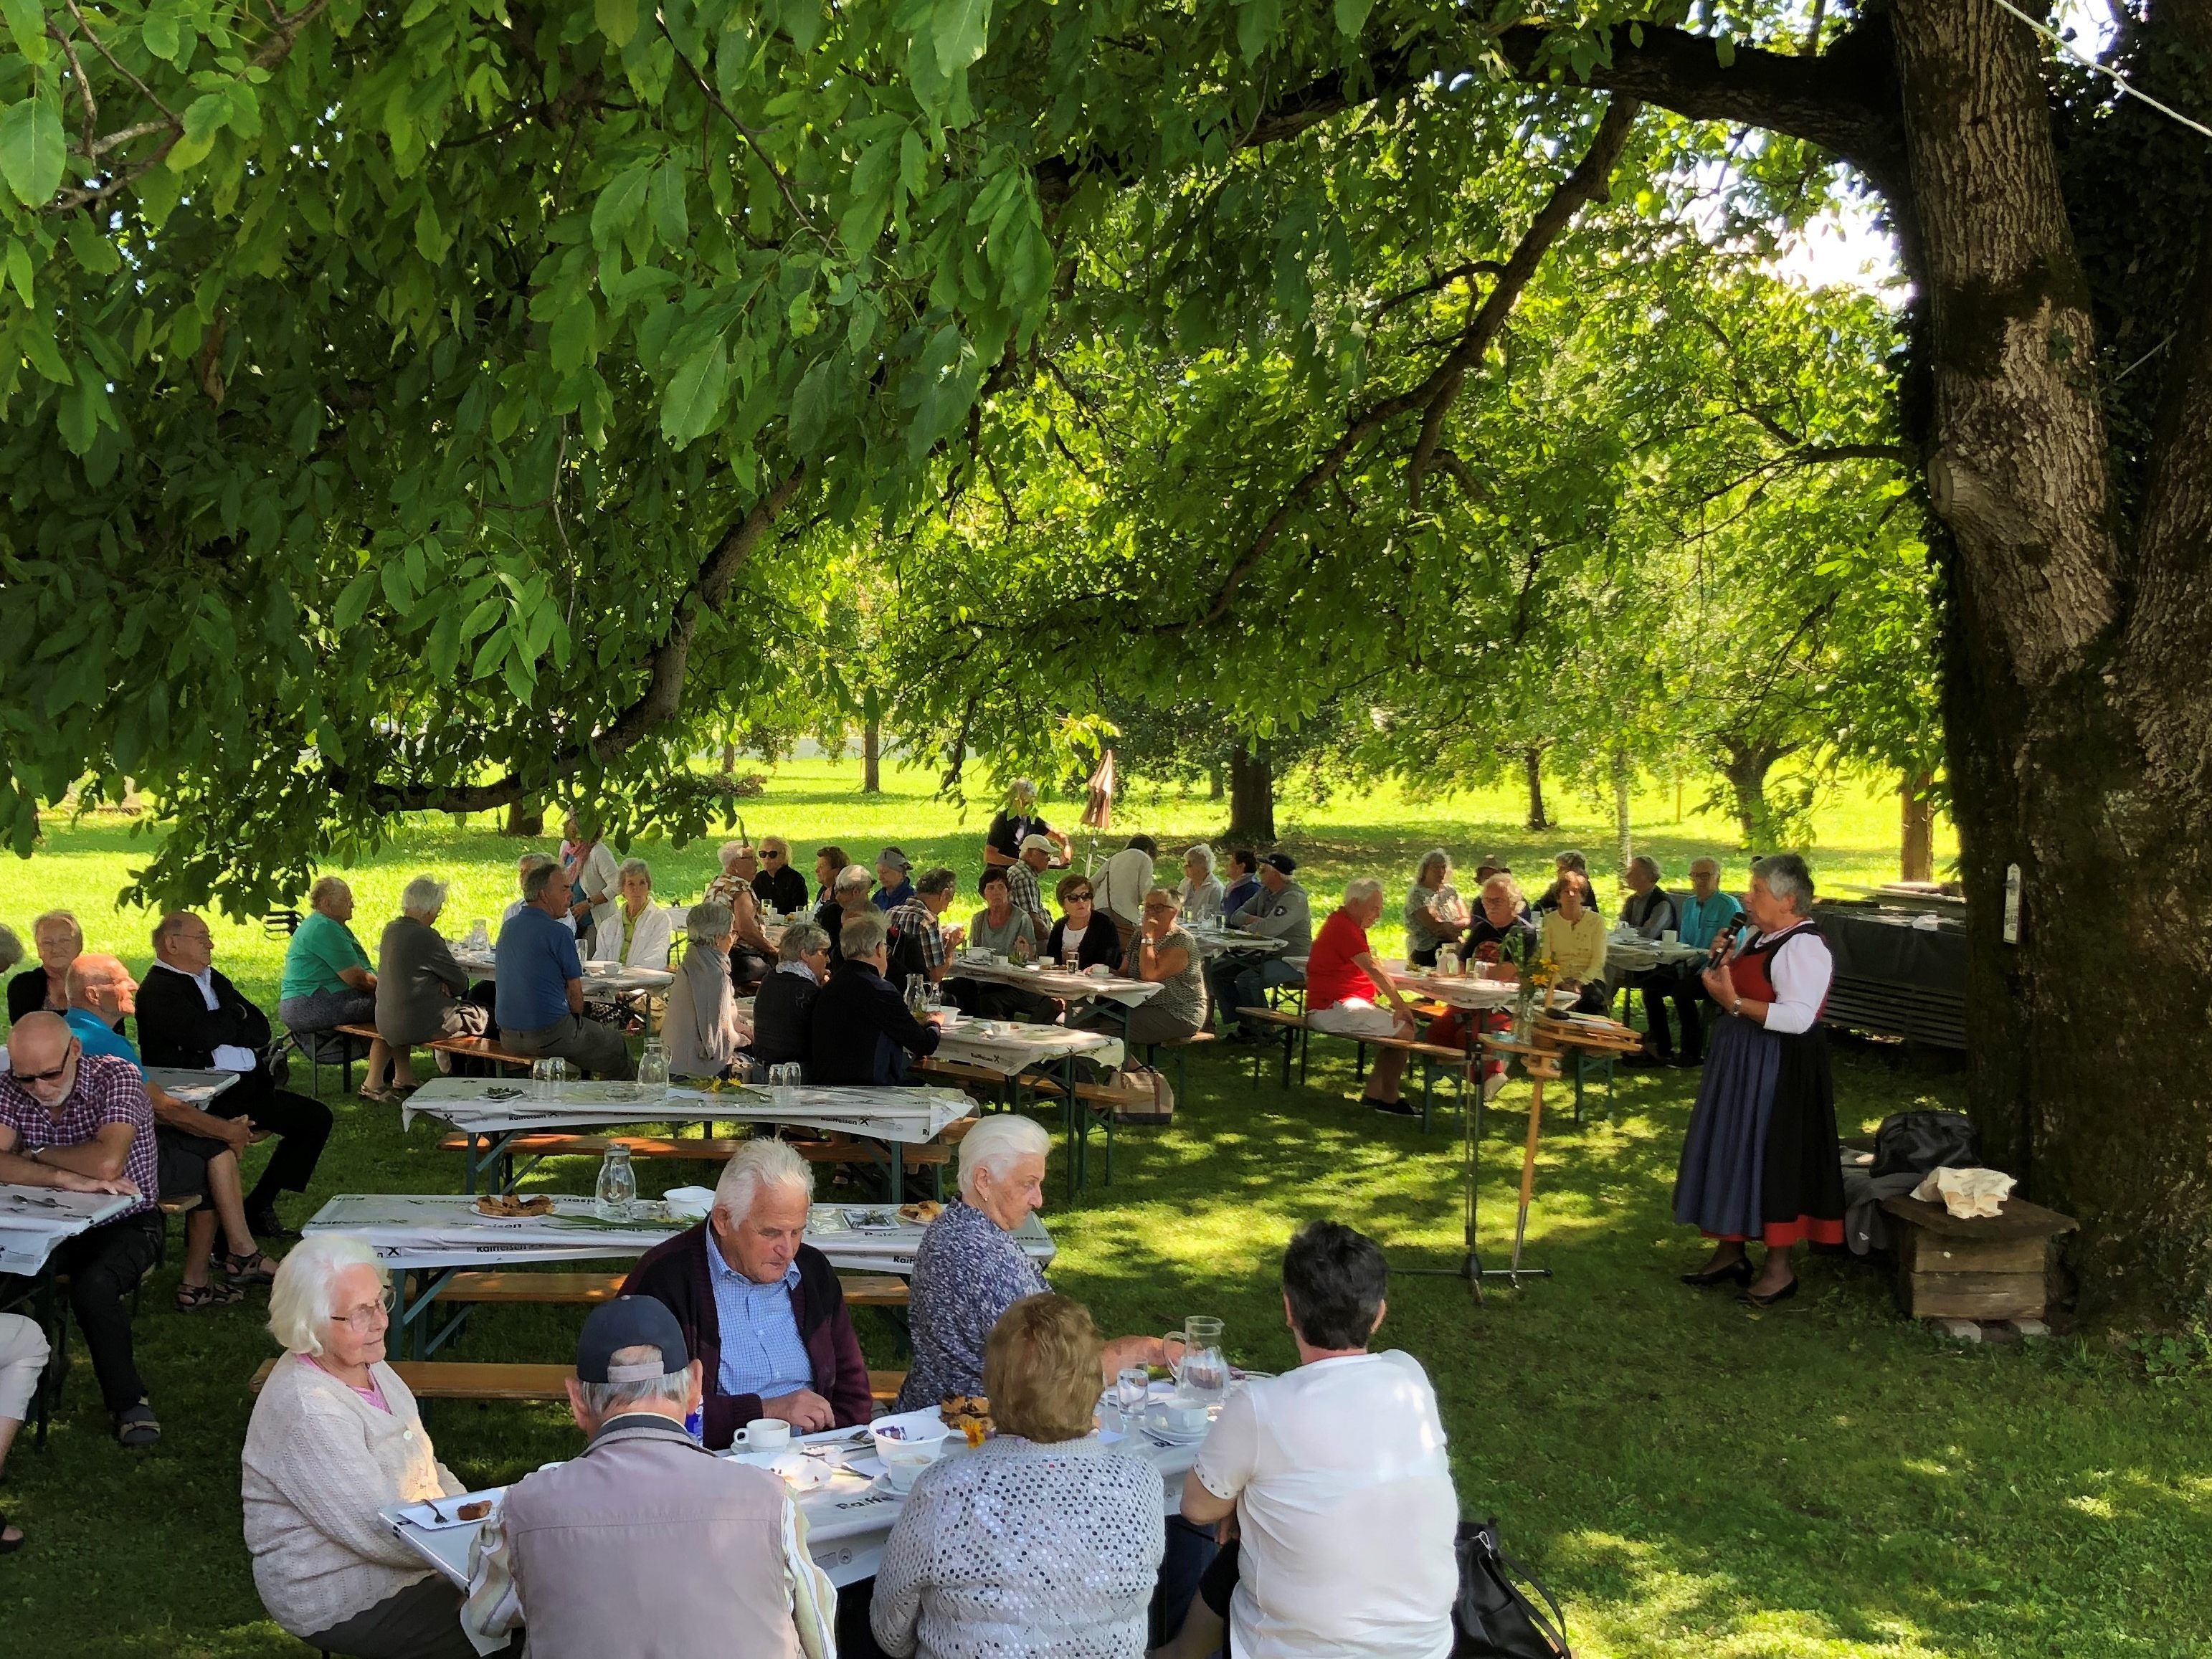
pixel 675 1272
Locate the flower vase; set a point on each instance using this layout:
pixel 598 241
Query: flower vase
pixel 1524 1013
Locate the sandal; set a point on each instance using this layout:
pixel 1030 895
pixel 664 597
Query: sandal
pixel 376 1096
pixel 138 1427
pixel 192 1298
pixel 254 1267
pixel 9 1545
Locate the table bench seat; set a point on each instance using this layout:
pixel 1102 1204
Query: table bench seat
pixel 474 1047
pixel 1298 1029
pixel 473 1379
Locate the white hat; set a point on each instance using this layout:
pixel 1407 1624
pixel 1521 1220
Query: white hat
pixel 1037 844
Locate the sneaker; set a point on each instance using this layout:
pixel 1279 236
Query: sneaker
pixel 1492 1084
pixel 1392 1107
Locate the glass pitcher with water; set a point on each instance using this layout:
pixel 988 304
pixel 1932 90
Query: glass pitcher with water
pixel 614 1197
pixel 1202 1372
pixel 652 1069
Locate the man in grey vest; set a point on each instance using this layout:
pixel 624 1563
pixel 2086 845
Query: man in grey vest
pixel 1279 910
pixel 646 1544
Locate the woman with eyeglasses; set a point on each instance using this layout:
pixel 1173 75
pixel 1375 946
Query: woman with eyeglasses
pixel 778 884
pixel 1081 928
pixel 335 1437
pixel 1163 952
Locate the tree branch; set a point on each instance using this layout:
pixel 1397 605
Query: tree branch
pixel 657 705
pixel 1586 183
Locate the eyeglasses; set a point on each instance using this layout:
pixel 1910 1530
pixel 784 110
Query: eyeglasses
pixel 369 1315
pixel 771 856
pixel 1079 898
pixel 54 1076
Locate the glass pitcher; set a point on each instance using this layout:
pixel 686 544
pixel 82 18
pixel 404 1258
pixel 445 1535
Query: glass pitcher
pixel 653 1068
pixel 614 1197
pixel 1201 1373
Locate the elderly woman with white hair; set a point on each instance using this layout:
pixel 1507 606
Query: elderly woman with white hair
pixel 421 990
pixel 971 1268
pixel 762 1310
pixel 1343 984
pixel 327 982
pixel 336 1437
pixel 1760 1160
pixel 1435 913
pixel 1202 893
pixel 640 932
pixel 701 1028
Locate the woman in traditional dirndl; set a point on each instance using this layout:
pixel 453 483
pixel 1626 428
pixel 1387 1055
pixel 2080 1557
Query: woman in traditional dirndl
pixel 1761 1161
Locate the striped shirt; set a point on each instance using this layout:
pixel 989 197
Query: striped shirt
pixel 106 1090
pixel 1027 898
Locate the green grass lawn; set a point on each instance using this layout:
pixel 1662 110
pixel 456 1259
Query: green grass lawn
pixel 1823 1480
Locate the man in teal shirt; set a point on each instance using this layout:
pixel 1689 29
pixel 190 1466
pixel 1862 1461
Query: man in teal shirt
pixel 328 982
pixel 1698 919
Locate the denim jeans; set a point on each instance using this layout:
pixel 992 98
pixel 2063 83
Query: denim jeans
pixel 1237 980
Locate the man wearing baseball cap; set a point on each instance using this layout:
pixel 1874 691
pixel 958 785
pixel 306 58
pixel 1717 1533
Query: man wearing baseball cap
pixel 1022 883
pixel 1241 979
pixel 647 1544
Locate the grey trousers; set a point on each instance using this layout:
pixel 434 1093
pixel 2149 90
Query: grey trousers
pixel 598 1049
pixel 423 1621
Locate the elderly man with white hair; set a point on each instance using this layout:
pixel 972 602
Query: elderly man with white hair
pixel 335 1437
pixel 645 1543
pixel 761 1310
pixel 421 990
pixel 970 1268
pixel 1344 982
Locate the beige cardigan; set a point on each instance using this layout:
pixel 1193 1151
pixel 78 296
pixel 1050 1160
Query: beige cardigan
pixel 320 1462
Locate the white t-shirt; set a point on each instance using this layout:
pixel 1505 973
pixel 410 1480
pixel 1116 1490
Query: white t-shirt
pixel 1345 1508
pixel 1121 884
pixel 1071 939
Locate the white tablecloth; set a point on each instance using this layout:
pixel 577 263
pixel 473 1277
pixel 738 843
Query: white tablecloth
pixel 189 1084
pixel 848 1521
pixel 1464 991
pixel 411 1230
pixel 486 1106
pixel 1009 1047
pixel 1056 981
pixel 1633 953
pixel 1215 941
pixel 34 1220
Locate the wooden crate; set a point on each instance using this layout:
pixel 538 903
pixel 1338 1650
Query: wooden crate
pixel 1986 1267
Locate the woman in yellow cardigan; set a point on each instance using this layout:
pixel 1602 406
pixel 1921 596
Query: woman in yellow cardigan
pixel 1574 937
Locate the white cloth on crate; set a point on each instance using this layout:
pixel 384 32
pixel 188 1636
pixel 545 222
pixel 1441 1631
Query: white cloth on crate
pixel 319 1461
pixel 1022 1547
pixel 1345 1509
pixel 1966 1193
pixel 23 1351
pixel 1354 1017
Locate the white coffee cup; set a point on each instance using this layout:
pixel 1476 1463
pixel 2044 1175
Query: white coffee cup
pixel 763 1436
pixel 1183 1417
pixel 1670 937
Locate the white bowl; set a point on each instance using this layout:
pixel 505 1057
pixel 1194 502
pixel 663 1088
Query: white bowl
pixel 915 1441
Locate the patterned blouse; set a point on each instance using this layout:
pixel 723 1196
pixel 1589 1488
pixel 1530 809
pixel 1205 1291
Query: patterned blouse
pixel 1023 1548
pixel 967 1271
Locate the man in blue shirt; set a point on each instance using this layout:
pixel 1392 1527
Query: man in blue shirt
pixel 1698 919
pixel 198 1151
pixel 541 986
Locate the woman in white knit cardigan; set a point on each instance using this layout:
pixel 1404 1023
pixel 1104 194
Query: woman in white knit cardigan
pixel 336 1435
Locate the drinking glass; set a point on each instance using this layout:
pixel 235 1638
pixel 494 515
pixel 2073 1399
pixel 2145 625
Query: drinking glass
pixel 545 1079
pixel 784 1076
pixel 1132 1385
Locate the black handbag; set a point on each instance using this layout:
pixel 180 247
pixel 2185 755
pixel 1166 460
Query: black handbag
pixel 1492 1619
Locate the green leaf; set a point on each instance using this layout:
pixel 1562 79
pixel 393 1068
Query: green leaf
pixel 83 409
pixel 1258 22
pixel 669 216
pixel 810 408
pixel 28 25
pixel 694 399
pixel 620 203
pixel 1351 15
pixel 617 19
pixel 397 593
pixel 19 271
pixel 159 32
pixel 805 23
pixel 31 152
pixel 35 335
pixel 1723 51
pixel 574 339
pixel 960 30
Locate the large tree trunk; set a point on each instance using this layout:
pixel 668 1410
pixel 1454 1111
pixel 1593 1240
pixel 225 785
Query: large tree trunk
pixel 1532 766
pixel 1217 782
pixel 526 816
pixel 872 753
pixel 1916 814
pixel 1746 768
pixel 2076 691
pixel 1251 793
